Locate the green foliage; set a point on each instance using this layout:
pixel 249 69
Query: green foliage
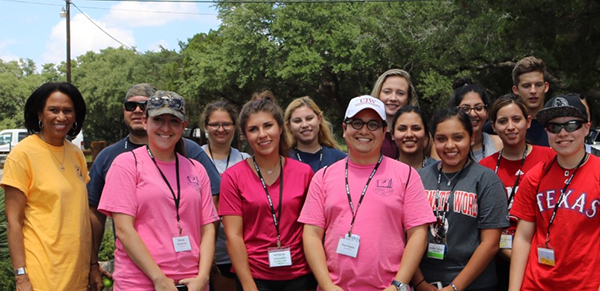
pixel 7 281
pixel 107 248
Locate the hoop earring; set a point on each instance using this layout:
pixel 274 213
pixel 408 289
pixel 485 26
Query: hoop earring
pixel 40 124
pixel 74 126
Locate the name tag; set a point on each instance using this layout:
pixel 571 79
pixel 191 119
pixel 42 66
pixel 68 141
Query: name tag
pixel 280 257
pixel 506 241
pixel 348 245
pixel 182 244
pixel 546 256
pixel 436 251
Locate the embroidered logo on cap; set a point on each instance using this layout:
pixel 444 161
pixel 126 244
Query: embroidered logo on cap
pixel 560 102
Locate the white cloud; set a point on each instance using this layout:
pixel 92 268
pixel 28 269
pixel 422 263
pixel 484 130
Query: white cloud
pixel 85 36
pixel 137 14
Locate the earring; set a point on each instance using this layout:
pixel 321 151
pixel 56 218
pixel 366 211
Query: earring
pixel 40 124
pixel 75 126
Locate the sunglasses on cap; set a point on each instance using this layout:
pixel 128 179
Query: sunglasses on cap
pixel 158 102
pixel 132 105
pixel 372 125
pixel 569 126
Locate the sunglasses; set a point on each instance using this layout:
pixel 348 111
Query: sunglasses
pixel 132 105
pixel 466 108
pixel 358 124
pixel 569 126
pixel 158 102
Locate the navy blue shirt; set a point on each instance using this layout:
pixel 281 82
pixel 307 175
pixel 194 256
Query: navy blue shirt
pixel 330 156
pixel 105 158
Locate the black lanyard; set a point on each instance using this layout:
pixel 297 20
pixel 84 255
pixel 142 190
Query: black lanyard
pixel 560 197
pixel 275 219
pixel 362 195
pixel 441 220
pixel 320 156
pixel 177 198
pixel 512 191
pixel 213 158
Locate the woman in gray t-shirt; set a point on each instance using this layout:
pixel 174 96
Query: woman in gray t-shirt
pixel 469 203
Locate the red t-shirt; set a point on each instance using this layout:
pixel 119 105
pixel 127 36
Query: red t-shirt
pixel 575 232
pixel 242 194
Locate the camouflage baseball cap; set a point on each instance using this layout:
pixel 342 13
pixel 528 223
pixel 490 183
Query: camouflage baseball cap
pixel 143 89
pixel 166 102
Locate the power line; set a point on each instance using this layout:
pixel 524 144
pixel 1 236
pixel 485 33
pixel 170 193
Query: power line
pixel 94 23
pixel 266 1
pixel 113 9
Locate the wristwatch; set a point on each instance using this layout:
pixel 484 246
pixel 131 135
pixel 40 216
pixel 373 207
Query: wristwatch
pixel 400 286
pixel 20 271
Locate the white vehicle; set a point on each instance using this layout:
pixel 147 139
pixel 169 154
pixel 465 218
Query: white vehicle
pixel 10 137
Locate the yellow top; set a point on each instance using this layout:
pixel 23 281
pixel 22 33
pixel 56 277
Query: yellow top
pixel 56 227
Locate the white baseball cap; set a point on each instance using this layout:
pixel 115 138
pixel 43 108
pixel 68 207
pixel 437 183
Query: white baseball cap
pixel 357 104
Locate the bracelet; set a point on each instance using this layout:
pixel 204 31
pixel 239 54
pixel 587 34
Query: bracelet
pixel 96 263
pixel 415 286
pixel 453 286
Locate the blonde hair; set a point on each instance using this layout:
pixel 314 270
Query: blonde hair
pixel 325 136
pixel 413 99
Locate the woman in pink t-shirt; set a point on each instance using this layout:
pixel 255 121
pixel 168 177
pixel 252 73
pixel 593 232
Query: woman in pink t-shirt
pixel 162 207
pixel 260 203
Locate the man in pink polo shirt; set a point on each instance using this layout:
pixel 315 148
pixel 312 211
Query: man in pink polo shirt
pixel 371 210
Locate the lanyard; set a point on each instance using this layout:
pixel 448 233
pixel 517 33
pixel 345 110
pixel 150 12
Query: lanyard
pixel 512 191
pixel 177 198
pixel 213 159
pixel 275 219
pixel 567 183
pixel 441 217
pixel 362 195
pixel 320 156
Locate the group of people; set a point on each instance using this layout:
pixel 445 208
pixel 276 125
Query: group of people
pixel 413 205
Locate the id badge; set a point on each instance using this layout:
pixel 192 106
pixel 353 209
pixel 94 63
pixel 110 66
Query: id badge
pixel 348 245
pixel 506 241
pixel 280 257
pixel 546 256
pixel 182 244
pixel 436 251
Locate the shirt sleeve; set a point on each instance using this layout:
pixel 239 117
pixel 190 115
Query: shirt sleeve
pixel 417 210
pixel 313 211
pixel 119 193
pixel 492 204
pixel 208 207
pixel 230 200
pixel 16 172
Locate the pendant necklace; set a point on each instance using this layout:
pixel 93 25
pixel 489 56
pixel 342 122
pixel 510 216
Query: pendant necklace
pixel 450 179
pixel 62 164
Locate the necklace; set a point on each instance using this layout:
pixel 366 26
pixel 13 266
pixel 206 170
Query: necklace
pixel 62 164
pixel 450 179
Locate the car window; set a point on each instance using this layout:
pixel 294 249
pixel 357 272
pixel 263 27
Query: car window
pixel 22 135
pixel 5 138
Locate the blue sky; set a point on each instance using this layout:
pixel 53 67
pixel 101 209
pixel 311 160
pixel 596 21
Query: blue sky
pixel 33 29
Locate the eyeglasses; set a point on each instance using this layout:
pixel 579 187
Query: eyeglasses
pixel 158 102
pixel 466 108
pixel 215 126
pixel 569 126
pixel 372 125
pixel 132 105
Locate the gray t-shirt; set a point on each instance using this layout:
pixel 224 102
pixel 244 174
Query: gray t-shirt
pixel 221 255
pixel 477 202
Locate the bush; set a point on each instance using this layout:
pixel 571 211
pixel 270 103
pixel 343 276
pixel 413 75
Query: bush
pixel 7 280
pixel 107 248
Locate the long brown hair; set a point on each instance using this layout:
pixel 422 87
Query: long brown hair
pixel 325 128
